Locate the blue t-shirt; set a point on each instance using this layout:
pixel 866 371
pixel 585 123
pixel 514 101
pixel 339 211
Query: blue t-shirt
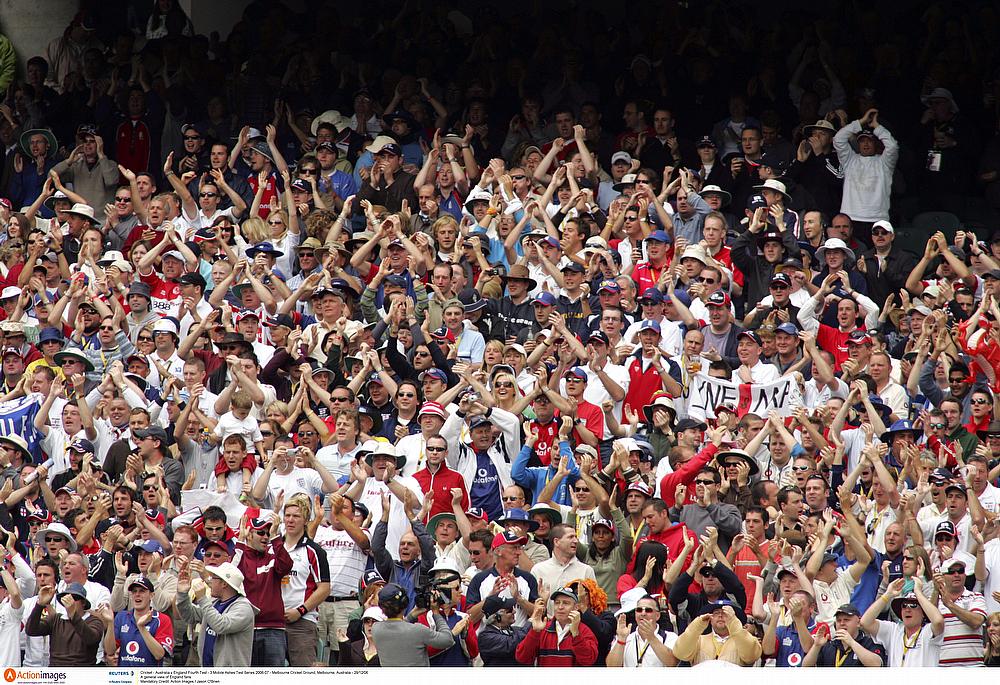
pixel 132 649
pixel 790 652
pixel 208 653
pixel 867 588
pixel 485 491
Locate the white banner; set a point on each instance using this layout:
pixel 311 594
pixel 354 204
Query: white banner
pixel 705 393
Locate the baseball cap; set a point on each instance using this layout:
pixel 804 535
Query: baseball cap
pixel 946 528
pixel 718 299
pixel 141 581
pixel 788 328
pixel 508 538
pixel 659 236
pixel 847 610
pixel 649 325
pixel 610 286
pixel 752 336
pixel 545 298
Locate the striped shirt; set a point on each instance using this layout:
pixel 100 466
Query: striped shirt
pixel 963 646
pixel 346 560
pixel 309 568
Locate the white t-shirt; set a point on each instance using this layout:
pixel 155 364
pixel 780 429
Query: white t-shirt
pixel 295 481
pixel 639 653
pixel 10 630
pixel 992 559
pixel 829 597
pixel 36 648
pixel 346 560
pixel 813 397
pixel 230 425
pixel 924 652
pixel 371 497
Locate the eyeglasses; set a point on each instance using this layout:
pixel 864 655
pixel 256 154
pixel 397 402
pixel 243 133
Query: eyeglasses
pixel 207 194
pixel 574 379
pixel 438 449
pixel 702 481
pixel 123 199
pixel 262 533
pixel 980 400
pixel 909 605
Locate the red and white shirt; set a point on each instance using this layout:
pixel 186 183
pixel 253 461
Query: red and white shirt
pixel 345 559
pixel 963 645
pixel 166 295
pixel 309 569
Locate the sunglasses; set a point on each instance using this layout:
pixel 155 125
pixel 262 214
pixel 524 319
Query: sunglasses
pixel 266 434
pixel 909 605
pixel 702 481
pixel 192 137
pixel 980 400
pixel 949 572
pixel 504 384
pixel 275 222
pixel 421 354
pixel 937 425
pixel 54 539
pixel 306 254
pixel 646 610
pixel 106 328
pixel 880 232
pixel 409 395
pixel 340 399
pixel 303 172
pixel 801 468
pixel 507 499
pixel 207 194
pixel 306 434
pixel 441 449
pixel 778 286
pixel 123 199
pixel 581 489
pixel 519 177
pixel 709 281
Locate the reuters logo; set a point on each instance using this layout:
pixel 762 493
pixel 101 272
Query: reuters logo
pixel 10 675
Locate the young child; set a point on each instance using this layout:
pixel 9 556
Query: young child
pixel 237 421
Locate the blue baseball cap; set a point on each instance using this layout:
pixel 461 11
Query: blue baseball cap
pixel 652 295
pixel 398 280
pixel 609 285
pixel 789 328
pixel 573 266
pixel 576 372
pixel 649 325
pixel 546 298
pixel 150 546
pixel 50 333
pixel 659 236
pixel 433 373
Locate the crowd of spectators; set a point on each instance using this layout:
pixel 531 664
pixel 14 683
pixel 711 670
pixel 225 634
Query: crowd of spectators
pixel 382 336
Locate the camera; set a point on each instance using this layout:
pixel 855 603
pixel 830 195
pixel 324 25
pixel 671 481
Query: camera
pixel 434 592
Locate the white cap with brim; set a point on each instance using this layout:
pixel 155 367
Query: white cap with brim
pixel 230 575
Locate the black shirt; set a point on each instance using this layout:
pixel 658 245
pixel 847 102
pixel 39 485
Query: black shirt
pixel 833 653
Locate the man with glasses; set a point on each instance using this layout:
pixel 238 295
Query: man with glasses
pixel 960 386
pixel 264 562
pixel 649 645
pixel 88 169
pixel 964 615
pixel 706 511
pixel 886 265
pixel 120 218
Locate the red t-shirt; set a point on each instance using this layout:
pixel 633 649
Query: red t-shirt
pixel 166 295
pixel 548 435
pixel 834 341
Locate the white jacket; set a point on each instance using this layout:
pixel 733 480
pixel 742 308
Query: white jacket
pixel 867 180
pixel 461 456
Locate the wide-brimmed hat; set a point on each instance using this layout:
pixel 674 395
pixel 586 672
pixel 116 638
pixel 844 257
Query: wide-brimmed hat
pixel 330 116
pixel 908 598
pixel 261 147
pixel 941 94
pixel 84 210
pixel 822 125
pixel 519 517
pixel 50 201
pixel 18 443
pixel 74 353
pixel 519 272
pixel 721 457
pixel 554 516
pixel 992 429
pixel 835 244
pixel 662 400
pixel 385 449
pixel 906 426
pixel 49 136
pixel 776 186
pixel 230 575
pixel 432 524
pixel 58 529
pixel 76 591
pixel 627 180
pixel 712 189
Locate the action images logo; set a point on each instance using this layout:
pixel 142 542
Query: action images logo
pixel 10 675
